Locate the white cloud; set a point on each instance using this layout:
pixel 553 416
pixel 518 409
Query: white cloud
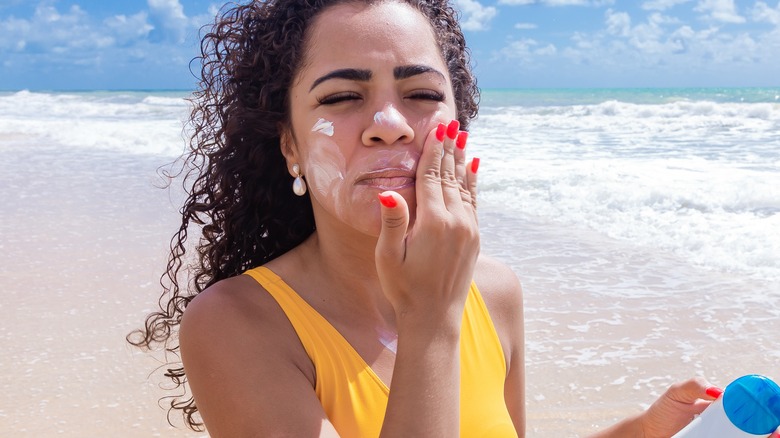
pixel 475 17
pixel 526 50
pixel 547 50
pixel 566 2
pixel 724 11
pixel 128 29
pixel 661 5
pixel 618 23
pixel 48 30
pixel 663 43
pixel 169 16
pixel 70 47
pixel 596 3
pixel 525 26
pixel 762 12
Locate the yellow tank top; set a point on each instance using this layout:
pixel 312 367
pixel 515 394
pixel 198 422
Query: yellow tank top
pixel 353 396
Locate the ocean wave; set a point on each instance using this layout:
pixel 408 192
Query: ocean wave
pixel 712 214
pixel 697 178
pixel 618 109
pixel 131 122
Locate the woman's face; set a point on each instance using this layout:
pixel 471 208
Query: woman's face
pixel 372 87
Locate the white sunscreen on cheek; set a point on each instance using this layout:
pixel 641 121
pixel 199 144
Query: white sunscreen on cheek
pixel 324 127
pixel 326 168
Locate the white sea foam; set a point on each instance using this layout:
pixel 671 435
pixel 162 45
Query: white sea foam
pixel 129 122
pixel 701 179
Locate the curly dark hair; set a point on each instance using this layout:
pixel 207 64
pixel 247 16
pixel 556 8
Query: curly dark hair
pixel 238 189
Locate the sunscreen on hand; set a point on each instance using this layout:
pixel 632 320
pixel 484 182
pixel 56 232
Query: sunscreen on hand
pixel 749 407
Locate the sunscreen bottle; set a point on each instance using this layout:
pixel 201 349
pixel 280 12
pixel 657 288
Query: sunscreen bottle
pixel 749 407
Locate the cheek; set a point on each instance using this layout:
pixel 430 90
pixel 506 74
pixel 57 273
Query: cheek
pixel 325 167
pixel 325 164
pixel 428 122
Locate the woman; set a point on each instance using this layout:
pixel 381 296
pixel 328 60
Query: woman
pixel 339 289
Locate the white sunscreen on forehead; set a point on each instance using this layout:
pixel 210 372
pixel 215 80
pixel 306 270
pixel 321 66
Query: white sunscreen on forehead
pixel 323 126
pixel 388 116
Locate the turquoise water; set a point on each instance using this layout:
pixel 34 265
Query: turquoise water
pixel 591 96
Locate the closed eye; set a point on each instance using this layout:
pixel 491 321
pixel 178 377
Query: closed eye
pixel 333 99
pixel 431 95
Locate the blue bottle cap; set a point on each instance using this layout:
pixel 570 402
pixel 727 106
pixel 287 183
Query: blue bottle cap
pixel 752 403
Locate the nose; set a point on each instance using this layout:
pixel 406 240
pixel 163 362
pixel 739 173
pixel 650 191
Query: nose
pixel 388 126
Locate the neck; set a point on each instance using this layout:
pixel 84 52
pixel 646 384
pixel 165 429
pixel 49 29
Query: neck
pixel 343 259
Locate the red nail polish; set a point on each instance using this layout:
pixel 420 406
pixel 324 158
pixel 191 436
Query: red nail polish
pixel 714 392
pixel 452 129
pixel 474 165
pixel 461 141
pixel 440 132
pixel 387 200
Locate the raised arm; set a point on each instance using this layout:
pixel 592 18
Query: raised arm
pixel 425 272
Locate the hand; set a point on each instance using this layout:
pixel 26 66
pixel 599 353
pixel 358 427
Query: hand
pixel 677 407
pixel 429 267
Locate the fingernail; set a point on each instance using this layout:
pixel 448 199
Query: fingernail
pixel 387 200
pixel 440 132
pixel 474 165
pixel 452 129
pixel 461 141
pixel 714 391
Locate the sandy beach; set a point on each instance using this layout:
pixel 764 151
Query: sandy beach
pixel 609 327
pixel 84 238
pixel 84 235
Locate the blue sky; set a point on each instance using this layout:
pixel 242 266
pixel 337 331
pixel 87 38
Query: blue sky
pixel 147 44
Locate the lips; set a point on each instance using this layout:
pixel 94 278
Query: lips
pixel 388 179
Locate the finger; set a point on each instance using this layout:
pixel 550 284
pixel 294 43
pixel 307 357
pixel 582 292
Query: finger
pixel 390 248
pixel 471 181
pixel 693 389
pixel 428 183
pixel 449 183
pixel 460 158
pixel 713 392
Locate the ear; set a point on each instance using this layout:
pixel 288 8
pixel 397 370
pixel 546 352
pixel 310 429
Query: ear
pixel 288 146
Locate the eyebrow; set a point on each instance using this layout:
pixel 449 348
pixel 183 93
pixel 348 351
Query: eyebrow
pixel 407 71
pixel 351 74
pixel 354 74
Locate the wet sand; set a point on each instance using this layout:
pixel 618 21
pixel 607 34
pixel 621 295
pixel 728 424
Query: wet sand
pixel 610 326
pixel 83 240
pixel 84 236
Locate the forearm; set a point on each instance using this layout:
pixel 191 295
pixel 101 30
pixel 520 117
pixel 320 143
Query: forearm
pixel 425 391
pixel 629 428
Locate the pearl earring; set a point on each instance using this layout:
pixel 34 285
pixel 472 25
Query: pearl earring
pixel 299 185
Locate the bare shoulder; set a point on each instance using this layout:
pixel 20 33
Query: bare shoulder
pixel 236 317
pixel 503 296
pixel 499 286
pixel 231 307
pixel 246 366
